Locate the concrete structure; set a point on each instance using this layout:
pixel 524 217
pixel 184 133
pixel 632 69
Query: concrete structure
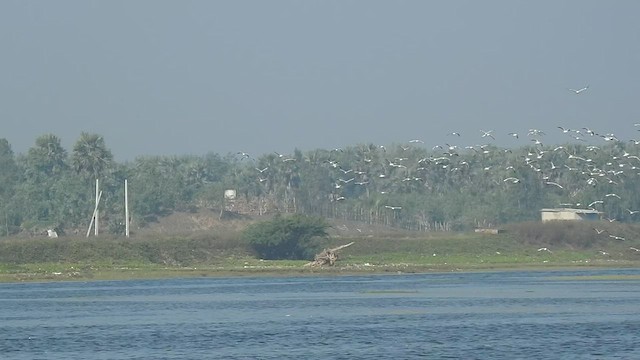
pixel 569 214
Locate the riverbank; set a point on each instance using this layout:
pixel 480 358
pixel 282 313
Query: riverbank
pixel 226 254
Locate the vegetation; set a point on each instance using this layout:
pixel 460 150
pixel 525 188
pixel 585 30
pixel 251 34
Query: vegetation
pixel 290 237
pixel 404 186
pixel 546 245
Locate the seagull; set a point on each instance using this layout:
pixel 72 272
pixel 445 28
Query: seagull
pixel 513 180
pixel 599 231
pixel 393 207
pixel 579 90
pixel 515 135
pixel 613 195
pixel 487 134
pixel 634 249
pixel 595 202
pixel 244 155
pixel 262 170
pixel 617 237
pixel 545 249
pixel 416 141
pixel 454 133
pixel 554 184
pixel 346 181
pixel 633 212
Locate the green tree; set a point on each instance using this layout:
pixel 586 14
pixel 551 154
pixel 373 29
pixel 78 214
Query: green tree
pixel 291 237
pixel 47 157
pixel 90 157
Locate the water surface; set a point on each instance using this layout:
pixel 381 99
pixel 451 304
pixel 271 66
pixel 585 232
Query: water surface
pixel 492 315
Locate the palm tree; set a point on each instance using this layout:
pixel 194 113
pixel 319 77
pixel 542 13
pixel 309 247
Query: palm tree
pixel 90 157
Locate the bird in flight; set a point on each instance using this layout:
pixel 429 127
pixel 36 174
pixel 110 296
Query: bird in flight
pixel 579 90
pixel 487 134
pixel 393 207
pixel 554 184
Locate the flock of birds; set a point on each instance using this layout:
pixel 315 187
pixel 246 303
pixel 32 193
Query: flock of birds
pixel 445 157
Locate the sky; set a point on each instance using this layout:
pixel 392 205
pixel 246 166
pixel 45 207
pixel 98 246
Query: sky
pixel 157 77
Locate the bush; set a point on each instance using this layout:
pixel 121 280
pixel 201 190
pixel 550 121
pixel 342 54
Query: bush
pixel 291 238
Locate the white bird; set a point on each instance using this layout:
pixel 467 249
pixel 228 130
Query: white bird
pixel 554 184
pixel 487 134
pixel 613 195
pixel 513 180
pixel 633 212
pixel 599 231
pixel 515 135
pixel 579 90
pixel 617 237
pixel 416 141
pixel 545 249
pixel 393 207
pixel 262 170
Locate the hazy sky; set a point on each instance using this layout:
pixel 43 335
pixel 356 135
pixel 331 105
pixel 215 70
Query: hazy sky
pixel 191 77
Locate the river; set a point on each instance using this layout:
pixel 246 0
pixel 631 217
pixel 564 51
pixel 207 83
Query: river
pixel 483 315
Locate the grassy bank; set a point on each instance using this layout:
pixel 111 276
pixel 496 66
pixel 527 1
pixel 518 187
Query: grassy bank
pixel 225 254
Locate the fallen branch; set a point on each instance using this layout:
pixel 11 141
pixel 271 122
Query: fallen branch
pixel 327 256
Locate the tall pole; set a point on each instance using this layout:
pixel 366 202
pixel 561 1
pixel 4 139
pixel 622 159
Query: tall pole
pixel 126 209
pixel 93 217
pixel 96 212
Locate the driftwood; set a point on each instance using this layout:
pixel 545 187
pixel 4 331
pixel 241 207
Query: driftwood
pixel 327 256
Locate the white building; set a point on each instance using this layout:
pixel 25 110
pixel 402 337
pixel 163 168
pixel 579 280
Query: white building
pixel 569 214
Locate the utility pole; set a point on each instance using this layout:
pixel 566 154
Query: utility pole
pixel 126 209
pixel 97 212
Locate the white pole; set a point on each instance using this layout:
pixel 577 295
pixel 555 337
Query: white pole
pixel 93 217
pixel 96 212
pixel 126 209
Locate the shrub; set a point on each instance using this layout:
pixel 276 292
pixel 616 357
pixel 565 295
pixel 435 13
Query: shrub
pixel 292 237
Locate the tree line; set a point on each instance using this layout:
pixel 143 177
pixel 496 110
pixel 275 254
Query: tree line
pixel 403 185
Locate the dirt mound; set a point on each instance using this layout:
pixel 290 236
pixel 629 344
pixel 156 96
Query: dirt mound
pixel 196 221
pixel 210 219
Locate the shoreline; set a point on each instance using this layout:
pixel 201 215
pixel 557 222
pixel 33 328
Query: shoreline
pixel 163 273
